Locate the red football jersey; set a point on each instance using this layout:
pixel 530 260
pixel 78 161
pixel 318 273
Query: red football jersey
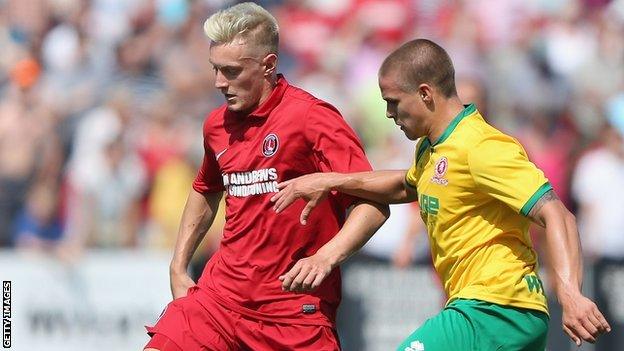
pixel 291 134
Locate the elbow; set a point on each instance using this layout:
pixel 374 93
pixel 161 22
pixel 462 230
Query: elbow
pixel 384 210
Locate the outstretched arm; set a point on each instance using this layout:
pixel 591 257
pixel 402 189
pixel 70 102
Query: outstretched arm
pixel 197 218
pixel 581 318
pixel 363 221
pixel 385 187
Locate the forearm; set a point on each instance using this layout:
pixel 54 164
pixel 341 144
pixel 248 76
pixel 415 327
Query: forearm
pixel 581 318
pixel 362 223
pixel 197 218
pixel 564 251
pixel 385 187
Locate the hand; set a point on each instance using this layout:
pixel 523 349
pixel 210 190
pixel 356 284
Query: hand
pixel 180 283
pixel 307 274
pixel 313 188
pixel 582 320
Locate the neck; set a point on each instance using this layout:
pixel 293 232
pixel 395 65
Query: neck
pixel 267 89
pixel 444 113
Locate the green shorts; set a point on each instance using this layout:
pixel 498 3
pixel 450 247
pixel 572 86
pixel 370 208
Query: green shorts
pixel 474 325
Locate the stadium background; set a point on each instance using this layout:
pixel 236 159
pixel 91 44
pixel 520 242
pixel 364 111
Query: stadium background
pixel 101 105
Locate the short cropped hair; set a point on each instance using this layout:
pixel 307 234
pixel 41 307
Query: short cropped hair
pixel 422 61
pixel 246 20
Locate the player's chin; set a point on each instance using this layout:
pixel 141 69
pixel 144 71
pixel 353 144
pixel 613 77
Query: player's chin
pixel 238 107
pixel 234 107
pixel 410 136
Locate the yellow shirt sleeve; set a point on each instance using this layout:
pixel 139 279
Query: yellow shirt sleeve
pixel 500 167
pixel 410 176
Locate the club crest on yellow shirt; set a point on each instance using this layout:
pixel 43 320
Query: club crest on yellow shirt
pixel 439 171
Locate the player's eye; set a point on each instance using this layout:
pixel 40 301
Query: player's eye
pixel 231 72
pixel 391 101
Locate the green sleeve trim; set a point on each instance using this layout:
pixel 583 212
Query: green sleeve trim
pixel 546 187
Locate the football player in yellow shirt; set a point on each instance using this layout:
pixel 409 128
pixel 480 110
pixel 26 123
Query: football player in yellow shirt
pixel 478 193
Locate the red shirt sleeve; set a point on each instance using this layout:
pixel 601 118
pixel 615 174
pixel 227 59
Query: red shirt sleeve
pixel 208 179
pixel 335 146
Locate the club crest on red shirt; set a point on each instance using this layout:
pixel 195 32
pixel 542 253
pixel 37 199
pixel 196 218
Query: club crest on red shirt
pixel 270 145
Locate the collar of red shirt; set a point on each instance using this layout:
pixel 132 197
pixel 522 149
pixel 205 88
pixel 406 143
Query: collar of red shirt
pixel 273 100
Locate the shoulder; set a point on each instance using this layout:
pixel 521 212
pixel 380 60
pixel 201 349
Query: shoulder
pixel 214 119
pixel 494 148
pixel 295 97
pixel 486 138
pixel 216 115
pixel 297 94
pixel 475 131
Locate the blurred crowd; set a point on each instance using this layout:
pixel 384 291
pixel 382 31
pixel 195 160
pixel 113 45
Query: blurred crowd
pixel 102 103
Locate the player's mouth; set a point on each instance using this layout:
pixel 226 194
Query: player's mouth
pixel 230 97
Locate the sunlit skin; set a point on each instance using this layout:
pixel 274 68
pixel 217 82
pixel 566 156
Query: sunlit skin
pixel 422 112
pixel 244 77
pixel 403 107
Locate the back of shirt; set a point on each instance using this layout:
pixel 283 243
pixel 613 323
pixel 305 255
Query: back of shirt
pixel 475 188
pixel 289 135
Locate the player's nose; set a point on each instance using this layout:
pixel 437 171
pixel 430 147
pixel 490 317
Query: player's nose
pixel 220 81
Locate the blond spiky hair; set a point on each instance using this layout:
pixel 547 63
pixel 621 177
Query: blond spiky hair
pixel 246 20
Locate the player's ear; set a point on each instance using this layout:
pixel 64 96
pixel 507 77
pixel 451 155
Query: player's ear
pixel 270 64
pixel 425 92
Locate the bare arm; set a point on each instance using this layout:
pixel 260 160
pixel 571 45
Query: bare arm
pixel 197 217
pixel 363 221
pixel 385 187
pixel 581 318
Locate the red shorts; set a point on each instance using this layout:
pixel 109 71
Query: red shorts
pixel 188 325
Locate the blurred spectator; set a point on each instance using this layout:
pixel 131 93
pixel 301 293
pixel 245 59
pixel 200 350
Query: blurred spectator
pixel 549 144
pixel 105 176
pixel 116 198
pixel 167 197
pixel 28 152
pixel 569 40
pixel 38 225
pixel 599 189
pixel 471 91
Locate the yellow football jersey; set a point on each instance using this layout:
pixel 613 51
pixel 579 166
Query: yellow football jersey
pixel 475 188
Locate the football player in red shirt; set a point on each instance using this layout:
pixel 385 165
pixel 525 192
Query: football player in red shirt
pixel 274 283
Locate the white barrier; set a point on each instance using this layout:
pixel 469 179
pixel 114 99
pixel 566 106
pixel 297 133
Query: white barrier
pixel 383 305
pixel 103 301
pixel 99 303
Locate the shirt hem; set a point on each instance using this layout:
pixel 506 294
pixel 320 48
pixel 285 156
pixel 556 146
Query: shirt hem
pixel 321 320
pixel 500 301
